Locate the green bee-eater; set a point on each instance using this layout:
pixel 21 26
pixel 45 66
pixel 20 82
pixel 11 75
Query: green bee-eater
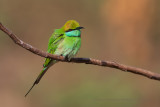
pixel 65 41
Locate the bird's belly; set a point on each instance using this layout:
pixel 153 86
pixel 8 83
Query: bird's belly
pixel 69 47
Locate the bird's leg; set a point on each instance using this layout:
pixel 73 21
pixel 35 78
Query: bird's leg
pixel 67 58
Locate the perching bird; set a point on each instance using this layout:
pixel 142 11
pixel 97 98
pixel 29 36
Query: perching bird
pixel 65 41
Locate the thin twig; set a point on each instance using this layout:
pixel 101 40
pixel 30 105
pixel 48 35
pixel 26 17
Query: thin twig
pixel 91 61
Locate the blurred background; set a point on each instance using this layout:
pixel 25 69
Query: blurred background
pixel 125 31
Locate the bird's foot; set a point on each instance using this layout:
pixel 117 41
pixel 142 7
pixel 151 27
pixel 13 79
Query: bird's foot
pixel 67 58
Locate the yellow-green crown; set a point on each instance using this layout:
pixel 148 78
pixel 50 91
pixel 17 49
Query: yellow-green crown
pixel 70 24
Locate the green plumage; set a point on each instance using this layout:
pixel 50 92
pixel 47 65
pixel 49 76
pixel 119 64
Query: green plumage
pixel 65 41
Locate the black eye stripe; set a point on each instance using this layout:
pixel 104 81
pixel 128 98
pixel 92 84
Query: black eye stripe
pixel 69 30
pixel 78 28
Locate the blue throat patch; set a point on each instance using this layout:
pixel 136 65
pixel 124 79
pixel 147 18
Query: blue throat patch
pixel 73 33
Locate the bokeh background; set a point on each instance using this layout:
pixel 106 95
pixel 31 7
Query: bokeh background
pixel 125 31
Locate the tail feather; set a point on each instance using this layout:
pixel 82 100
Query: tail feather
pixel 40 76
pixel 37 80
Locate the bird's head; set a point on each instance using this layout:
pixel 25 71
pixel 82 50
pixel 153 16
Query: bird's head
pixel 71 25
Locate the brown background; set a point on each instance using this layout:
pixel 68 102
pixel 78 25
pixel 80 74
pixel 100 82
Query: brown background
pixel 126 31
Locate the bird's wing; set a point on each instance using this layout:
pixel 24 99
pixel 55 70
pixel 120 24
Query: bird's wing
pixel 56 38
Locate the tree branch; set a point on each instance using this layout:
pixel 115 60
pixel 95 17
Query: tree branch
pixel 91 61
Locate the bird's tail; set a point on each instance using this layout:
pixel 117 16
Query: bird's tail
pixel 39 77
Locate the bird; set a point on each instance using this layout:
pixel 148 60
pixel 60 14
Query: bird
pixel 65 42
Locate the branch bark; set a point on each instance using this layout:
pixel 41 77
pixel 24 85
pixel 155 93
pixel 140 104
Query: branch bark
pixel 91 61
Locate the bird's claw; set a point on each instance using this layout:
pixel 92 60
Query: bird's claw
pixel 67 58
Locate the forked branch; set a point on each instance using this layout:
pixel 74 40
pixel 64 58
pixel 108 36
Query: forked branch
pixel 91 61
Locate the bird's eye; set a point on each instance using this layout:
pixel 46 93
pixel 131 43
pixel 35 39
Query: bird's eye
pixel 69 30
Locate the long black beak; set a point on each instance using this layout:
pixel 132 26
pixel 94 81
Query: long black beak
pixel 79 28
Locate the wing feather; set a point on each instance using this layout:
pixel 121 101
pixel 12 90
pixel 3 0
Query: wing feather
pixel 56 38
